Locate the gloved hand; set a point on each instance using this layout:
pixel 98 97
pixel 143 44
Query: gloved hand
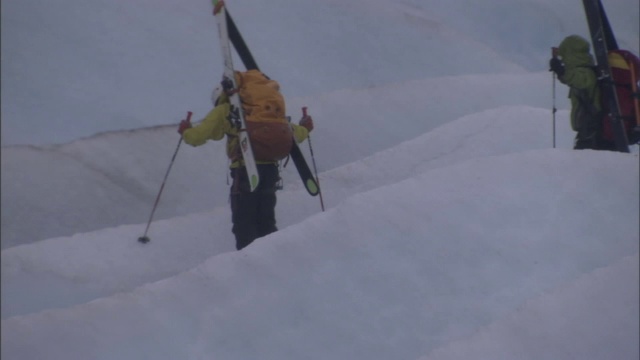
pixel 556 66
pixel 307 122
pixel 184 125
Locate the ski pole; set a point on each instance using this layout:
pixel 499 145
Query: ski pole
pixel 313 160
pixel 554 110
pixel 144 238
pixel 554 54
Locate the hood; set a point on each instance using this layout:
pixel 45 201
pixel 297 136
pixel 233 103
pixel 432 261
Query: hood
pixel 574 51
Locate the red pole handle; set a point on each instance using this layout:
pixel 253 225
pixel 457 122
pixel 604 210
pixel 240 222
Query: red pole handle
pixel 304 111
pixel 189 113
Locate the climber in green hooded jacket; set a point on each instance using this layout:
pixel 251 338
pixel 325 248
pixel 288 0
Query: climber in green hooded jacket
pixel 574 66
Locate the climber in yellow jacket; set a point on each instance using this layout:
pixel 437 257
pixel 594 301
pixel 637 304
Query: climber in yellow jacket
pixel 252 213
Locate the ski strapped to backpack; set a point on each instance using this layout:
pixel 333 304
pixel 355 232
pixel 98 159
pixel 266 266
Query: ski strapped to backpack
pixel 236 112
pixel 604 42
pixel 233 35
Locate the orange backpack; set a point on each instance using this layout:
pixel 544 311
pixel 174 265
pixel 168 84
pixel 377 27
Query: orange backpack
pixel 265 118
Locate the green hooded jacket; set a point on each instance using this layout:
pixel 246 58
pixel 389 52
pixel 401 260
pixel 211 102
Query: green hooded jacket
pixel 580 77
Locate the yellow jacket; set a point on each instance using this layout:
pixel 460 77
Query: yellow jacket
pixel 215 126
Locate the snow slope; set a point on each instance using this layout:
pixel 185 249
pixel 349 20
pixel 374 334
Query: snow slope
pixel 397 271
pixel 462 140
pixel 121 172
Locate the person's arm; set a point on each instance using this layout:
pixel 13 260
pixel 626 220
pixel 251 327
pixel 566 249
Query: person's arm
pixel 214 126
pixel 301 132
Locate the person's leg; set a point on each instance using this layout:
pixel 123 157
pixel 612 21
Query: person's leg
pixel 266 212
pixel 586 139
pixel 244 209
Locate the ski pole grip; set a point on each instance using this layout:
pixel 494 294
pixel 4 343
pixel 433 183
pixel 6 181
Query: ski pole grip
pixel 554 52
pixel 189 113
pixel 304 111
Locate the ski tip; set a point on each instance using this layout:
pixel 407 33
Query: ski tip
pixel 217 6
pixel 312 187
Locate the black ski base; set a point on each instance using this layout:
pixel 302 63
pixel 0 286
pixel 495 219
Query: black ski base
pixel 304 171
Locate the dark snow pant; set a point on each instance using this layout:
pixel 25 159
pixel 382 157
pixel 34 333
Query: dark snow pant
pixel 590 135
pixel 586 139
pixel 593 140
pixel 253 213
